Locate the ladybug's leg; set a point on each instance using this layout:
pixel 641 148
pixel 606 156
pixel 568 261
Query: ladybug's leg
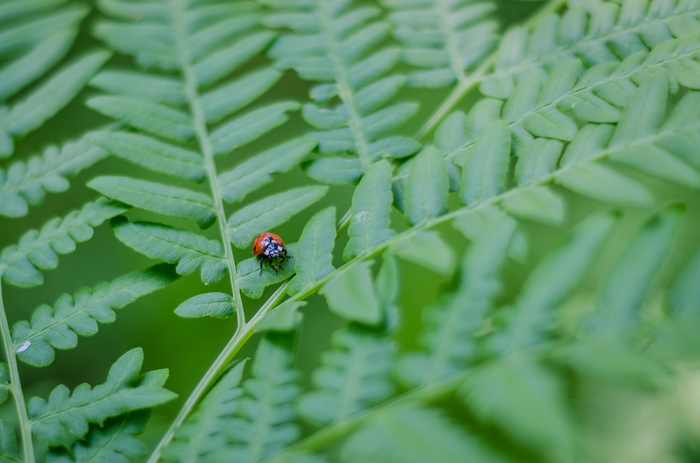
pixel 262 261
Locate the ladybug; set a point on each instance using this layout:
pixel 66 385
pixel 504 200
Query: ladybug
pixel 269 247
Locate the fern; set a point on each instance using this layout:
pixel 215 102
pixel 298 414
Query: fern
pixel 479 300
pixel 331 44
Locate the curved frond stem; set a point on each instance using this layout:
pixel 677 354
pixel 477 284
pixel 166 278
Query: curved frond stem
pixel 16 386
pixel 243 333
pixel 466 84
pixel 208 152
pixel 345 91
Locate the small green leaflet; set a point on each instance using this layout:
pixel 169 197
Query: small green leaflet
pixel 425 193
pixel 155 118
pixel 283 318
pixel 371 211
pixel 262 216
pixel 256 171
pixel 8 442
pixel 600 182
pixel 484 170
pixel 156 197
pixel 314 251
pixel 188 250
pixel 152 154
pixel 349 295
pixel 217 305
pixel 540 204
pixel 429 250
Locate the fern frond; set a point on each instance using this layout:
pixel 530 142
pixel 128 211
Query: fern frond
pixel 202 434
pixel 46 100
pixel 449 39
pixel 37 250
pixel 78 315
pixel 113 442
pixel 65 417
pixel 525 399
pixel 263 424
pixel 26 183
pixel 554 278
pixel 354 376
pixel 331 43
pixel 413 434
pixel 448 338
pixel 607 33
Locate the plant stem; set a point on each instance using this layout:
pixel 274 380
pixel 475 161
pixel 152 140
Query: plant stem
pixel 217 368
pixel 25 430
pixel 200 126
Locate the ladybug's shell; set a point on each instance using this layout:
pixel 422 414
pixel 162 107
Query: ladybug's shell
pixel 259 247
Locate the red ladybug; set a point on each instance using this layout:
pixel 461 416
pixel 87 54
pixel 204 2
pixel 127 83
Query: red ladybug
pixel 269 247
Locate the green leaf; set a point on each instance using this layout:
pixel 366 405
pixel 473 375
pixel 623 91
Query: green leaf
pixel 604 184
pixel 26 183
pixel 334 170
pixel 484 170
pixel 252 283
pixel 353 377
pixel 79 315
pixel 349 295
pixel 283 318
pixel 8 442
pixel 410 433
pixel 539 204
pixel 550 123
pixel 537 160
pixel 188 250
pixel 525 400
pixel 314 251
pixel 156 197
pixel 429 250
pixel 4 383
pixel 45 101
pixel 644 112
pixel 261 216
pixel 33 64
pixel 202 434
pixel 217 305
pixel 152 154
pixel 115 441
pixel 371 211
pixel 426 187
pixel 155 118
pixel 632 277
pixel 66 417
pixel 264 422
pixel 141 85
pixel 250 126
pixel 554 278
pixel 39 249
pixel 257 171
pixel 229 98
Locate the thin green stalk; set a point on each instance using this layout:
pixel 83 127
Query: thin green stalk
pixel 25 430
pixel 207 151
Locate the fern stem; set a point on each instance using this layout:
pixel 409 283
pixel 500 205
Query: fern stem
pixel 205 145
pixel 16 386
pixel 467 84
pixel 217 368
pixel 344 89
